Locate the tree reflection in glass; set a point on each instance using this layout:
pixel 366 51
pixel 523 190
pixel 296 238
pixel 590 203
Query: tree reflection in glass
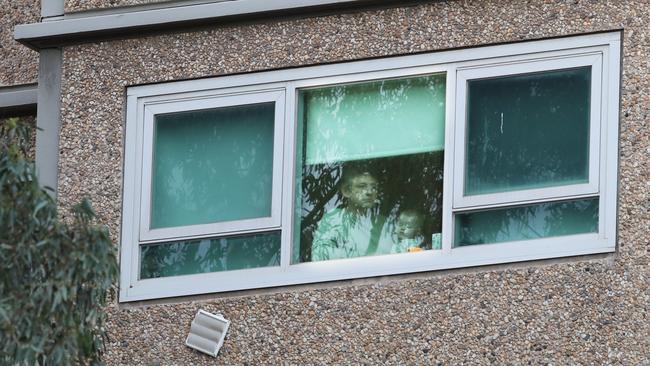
pixel 390 133
pixel 527 222
pixel 210 255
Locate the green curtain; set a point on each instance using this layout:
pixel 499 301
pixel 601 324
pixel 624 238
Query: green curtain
pixel 374 119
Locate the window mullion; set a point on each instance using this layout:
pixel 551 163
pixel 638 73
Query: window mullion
pixel 288 181
pixel 448 170
pixel 523 202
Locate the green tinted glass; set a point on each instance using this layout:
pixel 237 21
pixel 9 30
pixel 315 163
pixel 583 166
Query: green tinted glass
pixel 374 119
pixel 527 131
pixel 210 255
pixel 369 168
pixel 212 165
pixel 527 222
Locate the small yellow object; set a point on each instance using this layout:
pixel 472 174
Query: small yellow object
pixel 414 249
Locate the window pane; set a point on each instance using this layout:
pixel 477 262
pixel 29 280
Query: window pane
pixel 370 168
pixel 375 119
pixel 210 255
pixel 527 222
pixel 212 165
pixel 528 131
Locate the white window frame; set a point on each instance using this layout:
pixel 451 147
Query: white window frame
pixel 204 102
pixel 457 64
pixel 522 66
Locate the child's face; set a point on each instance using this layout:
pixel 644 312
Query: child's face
pixel 408 226
pixel 361 192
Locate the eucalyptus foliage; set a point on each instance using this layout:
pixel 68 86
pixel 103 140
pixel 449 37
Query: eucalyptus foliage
pixel 55 275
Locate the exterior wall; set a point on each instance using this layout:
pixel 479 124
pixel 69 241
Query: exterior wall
pixel 18 64
pixel 591 310
pixel 82 5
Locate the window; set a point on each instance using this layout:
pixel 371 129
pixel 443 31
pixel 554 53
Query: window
pixel 370 168
pixel 414 163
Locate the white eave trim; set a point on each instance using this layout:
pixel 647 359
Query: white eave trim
pixel 108 23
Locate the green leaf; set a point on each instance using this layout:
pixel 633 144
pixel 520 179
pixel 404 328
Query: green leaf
pixel 56 273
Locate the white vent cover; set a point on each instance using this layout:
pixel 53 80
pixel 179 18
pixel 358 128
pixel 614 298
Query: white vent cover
pixel 207 332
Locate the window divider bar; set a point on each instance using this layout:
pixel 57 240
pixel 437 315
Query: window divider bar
pixel 466 209
pixel 448 169
pixel 289 171
pixel 172 238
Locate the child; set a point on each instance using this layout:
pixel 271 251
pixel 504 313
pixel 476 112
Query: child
pixel 408 232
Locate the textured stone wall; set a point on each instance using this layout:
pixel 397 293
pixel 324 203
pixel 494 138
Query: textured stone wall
pixel 18 64
pixel 579 311
pixel 83 5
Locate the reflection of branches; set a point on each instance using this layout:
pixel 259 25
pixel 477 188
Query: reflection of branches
pixel 360 121
pixel 355 119
pixel 210 255
pixel 521 218
pixel 569 217
pixel 528 222
pixel 329 193
pixel 406 182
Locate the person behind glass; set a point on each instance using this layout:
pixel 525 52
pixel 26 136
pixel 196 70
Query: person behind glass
pixel 356 229
pixel 408 232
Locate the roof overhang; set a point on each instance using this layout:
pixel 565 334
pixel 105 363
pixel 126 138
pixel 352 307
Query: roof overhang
pixel 121 23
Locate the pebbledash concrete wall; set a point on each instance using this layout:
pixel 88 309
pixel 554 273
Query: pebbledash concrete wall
pixel 83 5
pixel 18 64
pixel 589 310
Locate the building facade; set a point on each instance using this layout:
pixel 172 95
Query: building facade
pixel 517 133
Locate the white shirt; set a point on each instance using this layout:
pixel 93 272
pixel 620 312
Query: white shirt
pixel 342 234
